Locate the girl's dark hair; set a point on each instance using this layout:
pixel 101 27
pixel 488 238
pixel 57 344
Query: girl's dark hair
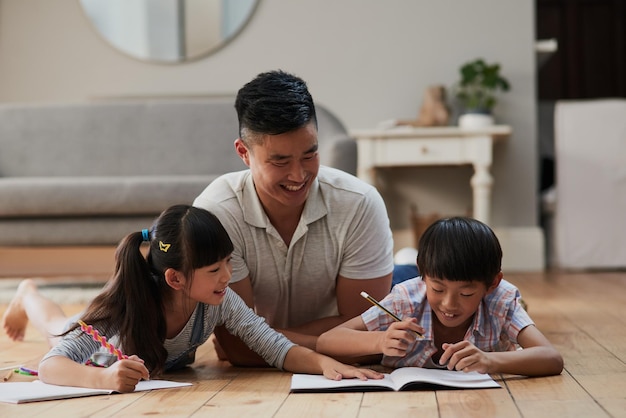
pixel 183 238
pixel 459 249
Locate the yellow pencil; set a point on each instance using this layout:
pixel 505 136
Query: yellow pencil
pixel 388 312
pixel 8 375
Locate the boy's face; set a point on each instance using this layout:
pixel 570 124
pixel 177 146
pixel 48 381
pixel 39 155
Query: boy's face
pixel 283 167
pixel 455 302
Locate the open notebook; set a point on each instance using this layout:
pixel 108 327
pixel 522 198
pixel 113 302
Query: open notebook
pixel 22 392
pixel 405 378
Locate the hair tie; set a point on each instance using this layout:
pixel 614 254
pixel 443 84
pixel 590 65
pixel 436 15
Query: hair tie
pixel 145 234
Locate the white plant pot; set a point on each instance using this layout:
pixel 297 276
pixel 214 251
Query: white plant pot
pixel 475 120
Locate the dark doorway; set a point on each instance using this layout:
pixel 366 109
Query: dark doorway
pixel 590 62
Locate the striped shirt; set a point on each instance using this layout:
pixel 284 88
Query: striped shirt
pixel 496 324
pixel 233 313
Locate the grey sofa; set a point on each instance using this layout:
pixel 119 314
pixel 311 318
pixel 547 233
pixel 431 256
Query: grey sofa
pixel 89 173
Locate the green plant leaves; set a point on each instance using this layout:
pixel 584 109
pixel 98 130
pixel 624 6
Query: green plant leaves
pixel 479 83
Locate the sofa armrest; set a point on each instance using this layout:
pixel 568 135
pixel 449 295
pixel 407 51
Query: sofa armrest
pixel 340 152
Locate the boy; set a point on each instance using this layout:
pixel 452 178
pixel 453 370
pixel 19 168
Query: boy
pixel 469 318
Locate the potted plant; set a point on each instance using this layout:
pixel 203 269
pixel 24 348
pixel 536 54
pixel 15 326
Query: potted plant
pixel 476 92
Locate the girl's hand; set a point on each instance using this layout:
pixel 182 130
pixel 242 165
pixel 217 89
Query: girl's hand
pixel 335 370
pixel 399 336
pixel 123 375
pixel 465 356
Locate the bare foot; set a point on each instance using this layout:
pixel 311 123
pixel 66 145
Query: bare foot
pixel 14 320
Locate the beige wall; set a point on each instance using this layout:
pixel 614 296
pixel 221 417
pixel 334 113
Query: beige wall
pixel 367 60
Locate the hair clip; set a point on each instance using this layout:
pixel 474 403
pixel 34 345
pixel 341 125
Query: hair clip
pixel 164 247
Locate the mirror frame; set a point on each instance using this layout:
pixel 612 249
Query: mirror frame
pixel 210 51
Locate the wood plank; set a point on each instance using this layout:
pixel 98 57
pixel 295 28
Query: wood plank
pixel 476 403
pixel 179 402
pixel 385 404
pixel 331 405
pixel 608 390
pixel 258 393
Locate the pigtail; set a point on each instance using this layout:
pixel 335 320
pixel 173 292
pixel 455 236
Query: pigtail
pixel 132 302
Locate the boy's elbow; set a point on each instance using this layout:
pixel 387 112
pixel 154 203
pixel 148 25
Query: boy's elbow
pixel 554 365
pixel 558 363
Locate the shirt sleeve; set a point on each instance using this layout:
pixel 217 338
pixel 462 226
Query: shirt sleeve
pixel 518 318
pixel 400 301
pixel 507 300
pixel 78 346
pixel 369 250
pixel 241 321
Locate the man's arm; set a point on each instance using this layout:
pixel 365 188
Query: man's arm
pixel 230 347
pixel 349 304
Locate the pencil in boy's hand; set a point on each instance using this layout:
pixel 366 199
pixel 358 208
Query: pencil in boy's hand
pixel 388 312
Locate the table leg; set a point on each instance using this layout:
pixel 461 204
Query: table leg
pixel 481 183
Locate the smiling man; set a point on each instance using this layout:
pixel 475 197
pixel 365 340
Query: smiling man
pixel 308 238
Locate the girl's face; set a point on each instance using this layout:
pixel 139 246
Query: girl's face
pixel 455 302
pixel 210 282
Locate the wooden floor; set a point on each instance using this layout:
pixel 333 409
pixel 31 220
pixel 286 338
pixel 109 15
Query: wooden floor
pixel 583 314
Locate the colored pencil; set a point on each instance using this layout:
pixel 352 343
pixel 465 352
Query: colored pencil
pixel 388 312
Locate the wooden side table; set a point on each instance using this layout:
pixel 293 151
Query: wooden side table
pixel 412 147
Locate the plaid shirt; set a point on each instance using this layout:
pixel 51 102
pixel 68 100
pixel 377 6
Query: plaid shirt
pixel 495 327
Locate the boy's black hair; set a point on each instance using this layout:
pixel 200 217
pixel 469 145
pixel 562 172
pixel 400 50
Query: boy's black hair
pixel 460 249
pixel 273 103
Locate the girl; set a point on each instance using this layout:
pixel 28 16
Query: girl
pixel 160 309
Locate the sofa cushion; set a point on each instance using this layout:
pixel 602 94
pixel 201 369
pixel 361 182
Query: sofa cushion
pixel 192 137
pixel 42 197
pixel 70 231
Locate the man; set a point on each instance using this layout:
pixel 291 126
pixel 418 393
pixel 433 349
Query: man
pixel 308 239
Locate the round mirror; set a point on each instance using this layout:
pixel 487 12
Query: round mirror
pixel 168 31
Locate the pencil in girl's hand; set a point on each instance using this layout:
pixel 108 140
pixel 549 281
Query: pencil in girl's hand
pixel 388 312
pixel 102 340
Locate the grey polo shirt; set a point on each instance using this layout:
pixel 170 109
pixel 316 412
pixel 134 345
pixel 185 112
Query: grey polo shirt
pixel 344 230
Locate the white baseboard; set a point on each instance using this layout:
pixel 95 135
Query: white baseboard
pixel 522 247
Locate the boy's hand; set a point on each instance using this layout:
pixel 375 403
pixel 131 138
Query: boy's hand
pixel 465 356
pixel 399 336
pixel 123 375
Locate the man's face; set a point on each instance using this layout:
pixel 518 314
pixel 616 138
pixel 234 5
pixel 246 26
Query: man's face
pixel 283 167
